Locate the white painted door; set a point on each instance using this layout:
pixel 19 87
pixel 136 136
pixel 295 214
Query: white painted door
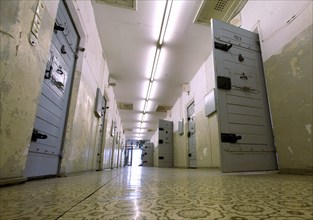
pixel 45 148
pixel 192 153
pixel 246 138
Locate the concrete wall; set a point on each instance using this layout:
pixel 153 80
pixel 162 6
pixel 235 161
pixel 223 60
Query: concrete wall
pixel 285 29
pixel 289 76
pixel 22 68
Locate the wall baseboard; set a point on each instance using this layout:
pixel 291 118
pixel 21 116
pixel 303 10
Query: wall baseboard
pixel 296 171
pixel 12 181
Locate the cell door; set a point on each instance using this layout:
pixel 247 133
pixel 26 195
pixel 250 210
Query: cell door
pixel 99 165
pixel 246 138
pixel 45 148
pixel 165 146
pixel 192 153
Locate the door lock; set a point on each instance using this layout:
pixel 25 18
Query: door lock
pixel 189 155
pixel 223 47
pixel 230 138
pixel 58 28
pixel 36 135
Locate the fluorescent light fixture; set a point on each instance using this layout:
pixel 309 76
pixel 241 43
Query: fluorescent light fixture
pixel 142 118
pixel 145 107
pixel 155 63
pixel 149 92
pixel 166 17
pixel 177 10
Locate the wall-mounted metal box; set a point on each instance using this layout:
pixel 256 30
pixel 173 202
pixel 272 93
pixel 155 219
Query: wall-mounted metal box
pixel 99 103
pixel 210 103
pixel 181 126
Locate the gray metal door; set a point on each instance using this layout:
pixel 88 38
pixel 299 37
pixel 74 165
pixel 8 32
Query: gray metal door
pixel 45 148
pixel 192 153
pixel 246 138
pixel 113 149
pixel 165 146
pixel 99 165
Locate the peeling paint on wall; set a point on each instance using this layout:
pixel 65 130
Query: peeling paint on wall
pixel 308 128
pixel 205 151
pixel 289 82
pixel 289 148
pixel 295 67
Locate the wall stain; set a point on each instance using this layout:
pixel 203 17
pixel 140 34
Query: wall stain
pixel 295 67
pixel 5 88
pixel 308 128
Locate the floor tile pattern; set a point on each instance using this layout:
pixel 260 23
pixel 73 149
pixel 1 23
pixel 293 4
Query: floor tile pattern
pixel 145 193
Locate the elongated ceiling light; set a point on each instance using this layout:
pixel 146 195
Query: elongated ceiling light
pixel 166 16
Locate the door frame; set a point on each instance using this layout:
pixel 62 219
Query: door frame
pixel 74 16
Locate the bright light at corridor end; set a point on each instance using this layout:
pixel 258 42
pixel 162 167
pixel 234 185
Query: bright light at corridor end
pixel 159 44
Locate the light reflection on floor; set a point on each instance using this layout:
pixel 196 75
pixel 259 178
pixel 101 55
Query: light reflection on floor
pixel 145 193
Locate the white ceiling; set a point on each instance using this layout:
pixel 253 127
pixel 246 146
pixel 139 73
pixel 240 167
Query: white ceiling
pixel 129 38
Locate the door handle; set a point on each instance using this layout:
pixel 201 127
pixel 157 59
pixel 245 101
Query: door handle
pixel 36 135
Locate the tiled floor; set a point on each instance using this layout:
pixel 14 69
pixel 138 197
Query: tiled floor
pixel 152 193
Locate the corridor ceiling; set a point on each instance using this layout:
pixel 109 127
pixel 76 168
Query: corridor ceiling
pixel 129 34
